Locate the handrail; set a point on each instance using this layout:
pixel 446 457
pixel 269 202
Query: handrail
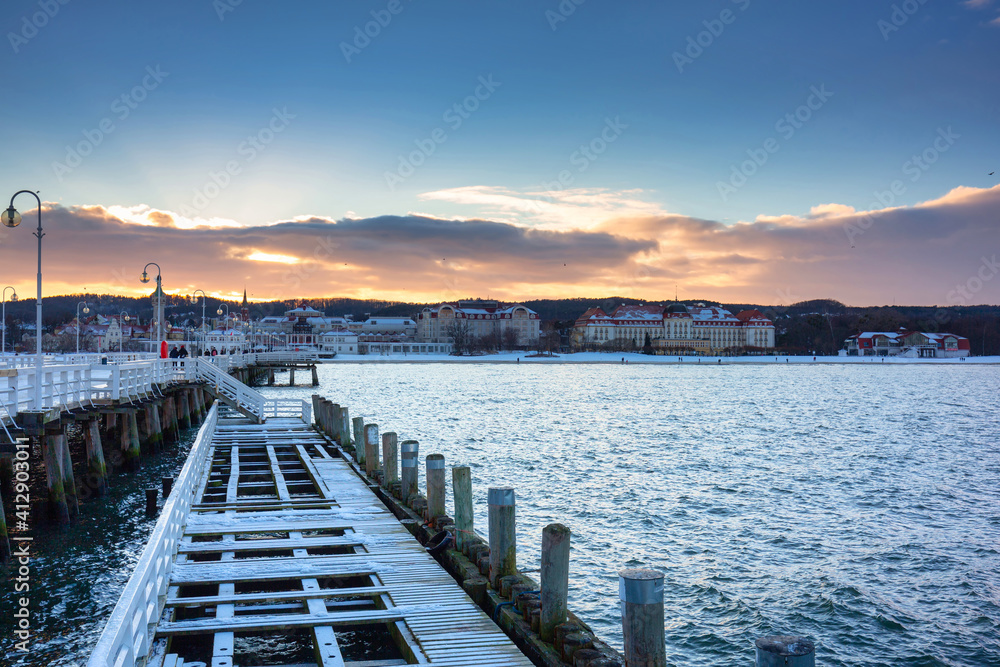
pixel 125 639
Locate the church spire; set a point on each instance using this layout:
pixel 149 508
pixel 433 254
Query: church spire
pixel 245 310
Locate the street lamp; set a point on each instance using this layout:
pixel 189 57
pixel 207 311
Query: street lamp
pixel 159 297
pixel 194 300
pixel 123 319
pixel 219 312
pixel 13 297
pixel 86 309
pixel 11 218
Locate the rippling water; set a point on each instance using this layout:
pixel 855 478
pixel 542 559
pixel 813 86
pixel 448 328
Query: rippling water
pixel 856 505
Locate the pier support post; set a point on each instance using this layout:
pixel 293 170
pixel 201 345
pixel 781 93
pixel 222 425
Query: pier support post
pixel 132 451
pixel 371 448
pixel 390 460
pixel 408 451
pixel 317 415
pixel 110 422
pixel 359 439
pixel 641 594
pixel 315 377
pixel 785 651
pixel 155 428
pixel 4 543
pixel 185 409
pixel 291 377
pixel 54 479
pixel 461 484
pixel 270 377
pixel 168 484
pixel 170 412
pixel 69 480
pixel 97 469
pixel 331 415
pixel 151 502
pixel 435 487
pixel 503 544
pixel 555 578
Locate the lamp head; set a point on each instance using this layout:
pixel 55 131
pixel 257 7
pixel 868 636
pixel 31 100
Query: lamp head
pixel 86 309
pixel 127 318
pixel 144 278
pixel 10 217
pixel 194 298
pixel 13 296
pixel 219 311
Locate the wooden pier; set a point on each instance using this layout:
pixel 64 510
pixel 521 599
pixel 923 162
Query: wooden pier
pixel 272 549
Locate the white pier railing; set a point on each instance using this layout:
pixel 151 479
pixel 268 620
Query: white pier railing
pixel 126 636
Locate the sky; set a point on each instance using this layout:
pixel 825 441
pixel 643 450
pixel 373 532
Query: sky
pixel 734 150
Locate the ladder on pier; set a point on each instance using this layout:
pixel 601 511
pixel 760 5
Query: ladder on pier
pixel 286 557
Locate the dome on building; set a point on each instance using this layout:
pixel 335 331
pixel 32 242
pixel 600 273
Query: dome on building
pixel 677 308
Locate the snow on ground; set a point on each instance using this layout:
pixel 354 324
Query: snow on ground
pixel 637 358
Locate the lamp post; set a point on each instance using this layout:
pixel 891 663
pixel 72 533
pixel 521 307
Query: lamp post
pixel 144 278
pixel 194 300
pixel 86 309
pixel 13 297
pixel 11 218
pixel 123 319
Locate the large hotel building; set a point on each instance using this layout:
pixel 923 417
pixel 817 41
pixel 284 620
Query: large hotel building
pixel 675 329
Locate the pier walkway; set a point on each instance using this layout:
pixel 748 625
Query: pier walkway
pixel 271 550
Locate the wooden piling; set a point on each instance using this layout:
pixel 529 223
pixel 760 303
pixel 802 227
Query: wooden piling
pixel 110 421
pixel 359 439
pixel 435 487
pixel 155 428
pixel 408 451
pixel 69 481
pixel 151 502
pixel 315 377
pixel 785 651
pixel 97 470
pixel 641 594
pixel 345 426
pixel 390 459
pixel 554 578
pixel 185 409
pixel 133 450
pixel 172 421
pixel 371 448
pixel 461 484
pixel 168 484
pixel 54 479
pixel 291 377
pixel 4 542
pixel 270 377
pixel 503 543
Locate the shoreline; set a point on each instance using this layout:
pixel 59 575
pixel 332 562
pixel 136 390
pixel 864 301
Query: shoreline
pixel 601 358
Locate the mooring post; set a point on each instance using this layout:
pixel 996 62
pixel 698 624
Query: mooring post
pixel 345 426
pixel 132 453
pixel 54 479
pixel 408 451
pixel 785 651
pixel 435 487
pixel 291 377
pixel 317 416
pixel 96 468
pixel 641 594
pixel 555 578
pixel 390 460
pixel 503 543
pixel 270 377
pixel 168 484
pixel 69 481
pixel 371 448
pixel 461 485
pixel 151 501
pixel 335 422
pixel 359 439
pixel 315 377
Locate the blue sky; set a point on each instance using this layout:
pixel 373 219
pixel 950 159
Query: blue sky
pixel 667 122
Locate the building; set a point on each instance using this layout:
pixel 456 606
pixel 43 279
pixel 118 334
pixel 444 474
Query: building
pixel 674 329
pixel 482 317
pixel 341 341
pixel 903 343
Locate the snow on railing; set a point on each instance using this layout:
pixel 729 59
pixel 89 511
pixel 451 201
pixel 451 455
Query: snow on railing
pixel 126 637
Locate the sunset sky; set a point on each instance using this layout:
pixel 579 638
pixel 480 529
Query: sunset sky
pixel 740 150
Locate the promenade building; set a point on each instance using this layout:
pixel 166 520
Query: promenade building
pixel 483 318
pixel 674 329
pixel 904 343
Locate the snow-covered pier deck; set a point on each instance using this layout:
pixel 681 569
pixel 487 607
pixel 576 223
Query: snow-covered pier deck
pixel 271 550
